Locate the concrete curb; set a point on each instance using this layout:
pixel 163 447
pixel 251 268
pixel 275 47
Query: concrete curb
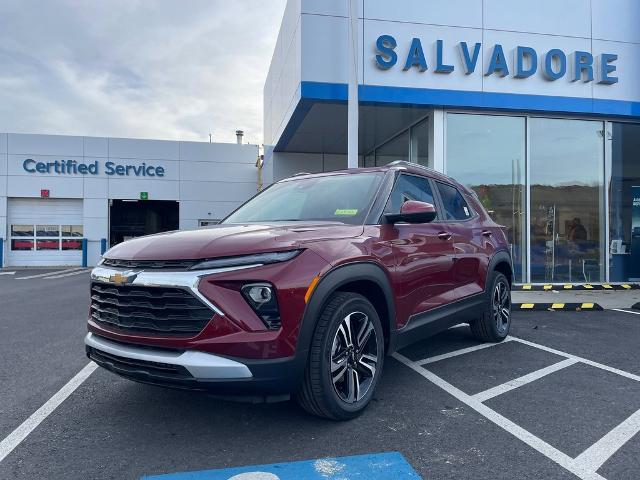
pixel 557 307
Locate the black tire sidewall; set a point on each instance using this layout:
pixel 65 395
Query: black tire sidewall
pixel 340 407
pixel 496 278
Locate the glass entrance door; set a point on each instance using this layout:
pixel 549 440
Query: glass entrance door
pixel 567 200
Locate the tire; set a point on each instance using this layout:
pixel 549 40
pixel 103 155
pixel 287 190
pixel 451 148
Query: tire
pixel 495 321
pixel 319 394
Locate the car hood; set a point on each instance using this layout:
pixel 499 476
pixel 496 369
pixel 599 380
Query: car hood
pixel 230 240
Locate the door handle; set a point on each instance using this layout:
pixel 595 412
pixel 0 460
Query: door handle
pixel 444 235
pixel 486 233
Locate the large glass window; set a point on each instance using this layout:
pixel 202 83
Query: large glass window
pixel 411 145
pixel 420 143
pixel 624 203
pixel 567 201
pixel 487 154
pixel 395 149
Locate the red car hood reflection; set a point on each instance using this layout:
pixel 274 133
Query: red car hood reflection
pixel 229 240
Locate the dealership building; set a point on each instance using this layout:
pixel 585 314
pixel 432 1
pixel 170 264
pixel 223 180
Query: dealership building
pixel 65 199
pixel 535 106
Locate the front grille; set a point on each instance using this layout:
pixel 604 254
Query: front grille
pixel 154 310
pixel 150 264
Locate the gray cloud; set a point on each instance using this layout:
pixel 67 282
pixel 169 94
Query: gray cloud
pixel 159 69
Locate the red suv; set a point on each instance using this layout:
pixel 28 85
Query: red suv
pixel 304 289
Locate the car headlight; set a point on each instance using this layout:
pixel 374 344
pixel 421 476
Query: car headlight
pixel 255 259
pixel 262 298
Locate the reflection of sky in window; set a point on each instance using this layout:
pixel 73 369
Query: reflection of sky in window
pixel 485 149
pixel 566 152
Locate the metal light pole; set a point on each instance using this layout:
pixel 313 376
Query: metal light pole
pixel 352 102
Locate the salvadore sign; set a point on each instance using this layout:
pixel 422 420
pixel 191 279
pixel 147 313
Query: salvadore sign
pixel 74 167
pixel 525 62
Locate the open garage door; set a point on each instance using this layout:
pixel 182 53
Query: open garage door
pixel 44 232
pixel 135 218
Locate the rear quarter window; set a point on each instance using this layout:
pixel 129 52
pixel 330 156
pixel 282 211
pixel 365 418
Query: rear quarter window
pixel 454 205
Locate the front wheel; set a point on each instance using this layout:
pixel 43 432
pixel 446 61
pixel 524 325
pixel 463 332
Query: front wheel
pixel 345 359
pixel 495 321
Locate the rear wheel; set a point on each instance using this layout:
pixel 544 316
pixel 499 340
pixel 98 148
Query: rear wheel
pixel 345 359
pixel 495 321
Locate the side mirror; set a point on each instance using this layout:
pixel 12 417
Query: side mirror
pixel 412 211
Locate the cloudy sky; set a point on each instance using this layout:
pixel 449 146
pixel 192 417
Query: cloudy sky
pixel 170 69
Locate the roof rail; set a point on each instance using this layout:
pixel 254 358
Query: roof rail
pixel 406 163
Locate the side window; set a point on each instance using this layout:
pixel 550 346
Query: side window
pixel 454 205
pixel 409 187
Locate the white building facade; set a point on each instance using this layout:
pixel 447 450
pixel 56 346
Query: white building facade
pixel 59 194
pixel 534 105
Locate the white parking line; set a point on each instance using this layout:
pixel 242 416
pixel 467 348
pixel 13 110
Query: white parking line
pixel 462 351
pixel 527 437
pixel 601 366
pixel 21 432
pixel 585 465
pixel 7 273
pixel 518 382
pixel 55 272
pixel 67 274
pixel 598 453
pixel 625 311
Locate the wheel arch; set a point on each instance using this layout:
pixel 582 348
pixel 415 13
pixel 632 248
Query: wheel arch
pixel 365 278
pixel 500 262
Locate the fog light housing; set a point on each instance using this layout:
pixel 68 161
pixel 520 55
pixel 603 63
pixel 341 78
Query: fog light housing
pixel 262 298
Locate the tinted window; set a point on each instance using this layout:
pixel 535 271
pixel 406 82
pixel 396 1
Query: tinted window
pixel 409 187
pixel 453 204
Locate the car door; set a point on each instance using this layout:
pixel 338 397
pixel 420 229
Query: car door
pixel 424 252
pixel 471 245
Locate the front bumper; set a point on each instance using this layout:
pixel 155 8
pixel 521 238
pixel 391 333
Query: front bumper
pixel 201 366
pixel 194 370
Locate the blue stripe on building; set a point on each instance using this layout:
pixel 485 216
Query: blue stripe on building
pixel 379 95
pixel 381 466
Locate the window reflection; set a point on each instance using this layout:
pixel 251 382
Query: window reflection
pixel 22 230
pixel 22 244
pixel 624 208
pixel 420 143
pixel 46 237
pixel 395 149
pixel 47 230
pixel 567 177
pixel 486 153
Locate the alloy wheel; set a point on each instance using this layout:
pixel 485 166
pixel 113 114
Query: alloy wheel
pixel 354 357
pixel 501 307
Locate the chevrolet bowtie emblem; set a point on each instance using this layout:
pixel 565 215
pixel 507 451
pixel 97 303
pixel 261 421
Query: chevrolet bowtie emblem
pixel 122 279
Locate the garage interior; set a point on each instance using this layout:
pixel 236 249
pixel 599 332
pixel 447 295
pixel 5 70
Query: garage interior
pixel 135 218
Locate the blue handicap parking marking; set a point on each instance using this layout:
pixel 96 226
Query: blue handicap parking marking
pixel 381 466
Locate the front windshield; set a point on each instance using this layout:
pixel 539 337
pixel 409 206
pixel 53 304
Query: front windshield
pixel 342 198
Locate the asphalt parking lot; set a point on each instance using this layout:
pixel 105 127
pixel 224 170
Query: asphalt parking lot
pixel 560 399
